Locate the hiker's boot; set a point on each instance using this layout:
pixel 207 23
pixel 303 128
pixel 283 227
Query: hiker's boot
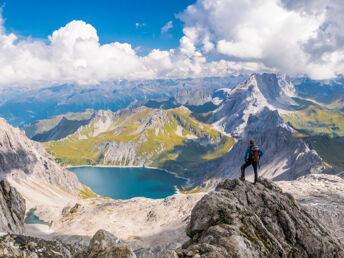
pixel 255 181
pixel 242 178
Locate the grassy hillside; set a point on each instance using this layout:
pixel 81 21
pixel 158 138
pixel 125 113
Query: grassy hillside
pixel 314 120
pixel 170 139
pixel 41 127
pixel 330 149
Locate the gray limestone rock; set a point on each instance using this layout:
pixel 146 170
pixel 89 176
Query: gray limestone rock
pixel 21 158
pixel 103 245
pixel 239 219
pixel 12 210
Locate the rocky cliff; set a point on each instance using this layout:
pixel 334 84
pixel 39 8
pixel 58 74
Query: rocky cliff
pixel 239 219
pixel 43 184
pixel 21 158
pixel 322 196
pixel 12 210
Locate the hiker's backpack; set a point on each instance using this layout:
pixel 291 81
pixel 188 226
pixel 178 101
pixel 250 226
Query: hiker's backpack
pixel 255 153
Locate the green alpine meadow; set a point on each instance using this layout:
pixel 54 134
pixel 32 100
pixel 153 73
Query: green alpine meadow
pixel 170 139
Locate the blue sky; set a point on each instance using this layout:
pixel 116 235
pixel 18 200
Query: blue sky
pixel 114 20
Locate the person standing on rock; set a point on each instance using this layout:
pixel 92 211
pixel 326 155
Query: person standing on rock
pixel 252 156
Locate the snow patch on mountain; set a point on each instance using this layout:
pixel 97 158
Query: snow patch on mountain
pixel 254 97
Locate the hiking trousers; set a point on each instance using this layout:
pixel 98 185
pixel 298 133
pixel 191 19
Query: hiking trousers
pixel 254 165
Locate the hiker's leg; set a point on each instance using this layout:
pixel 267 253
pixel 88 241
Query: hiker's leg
pixel 243 167
pixel 255 164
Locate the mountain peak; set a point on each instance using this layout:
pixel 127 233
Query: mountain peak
pixel 276 91
pixel 259 94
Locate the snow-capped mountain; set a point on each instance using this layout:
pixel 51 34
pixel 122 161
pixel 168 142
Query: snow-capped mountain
pixel 253 110
pixel 256 96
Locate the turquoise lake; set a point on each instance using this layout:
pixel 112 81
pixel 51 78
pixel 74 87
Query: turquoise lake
pixel 126 183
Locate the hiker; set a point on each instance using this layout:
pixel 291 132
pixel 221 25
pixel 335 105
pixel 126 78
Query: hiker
pixel 252 155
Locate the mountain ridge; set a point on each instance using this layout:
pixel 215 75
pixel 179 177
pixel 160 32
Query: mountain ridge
pixel 170 139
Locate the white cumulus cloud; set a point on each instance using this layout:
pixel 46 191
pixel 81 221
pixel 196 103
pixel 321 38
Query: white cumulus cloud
pixel 220 37
pixel 292 36
pixel 74 55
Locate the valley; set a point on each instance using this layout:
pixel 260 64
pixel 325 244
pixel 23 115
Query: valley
pixel 172 129
pixel 203 142
pixel 168 139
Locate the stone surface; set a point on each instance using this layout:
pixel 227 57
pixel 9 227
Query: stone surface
pixel 12 209
pixel 23 159
pixel 12 245
pixel 323 196
pixel 103 245
pixel 239 219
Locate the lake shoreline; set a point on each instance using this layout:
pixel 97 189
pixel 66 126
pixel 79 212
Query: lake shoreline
pixel 120 166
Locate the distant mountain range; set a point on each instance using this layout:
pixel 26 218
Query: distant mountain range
pixel 192 139
pixel 25 105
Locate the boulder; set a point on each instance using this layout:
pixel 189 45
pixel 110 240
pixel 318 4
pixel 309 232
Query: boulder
pixel 103 245
pixel 239 219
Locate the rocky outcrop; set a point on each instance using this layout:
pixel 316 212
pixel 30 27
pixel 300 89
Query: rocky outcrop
pixel 12 210
pixel 22 158
pixel 321 195
pixel 12 245
pixel 240 219
pixel 121 153
pixel 102 245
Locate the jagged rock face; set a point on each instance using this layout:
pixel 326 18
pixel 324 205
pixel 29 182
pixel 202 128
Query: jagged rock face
pixel 240 219
pixel 261 92
pixel 31 247
pixel 285 157
pixel 21 157
pixel 156 252
pixel 121 153
pixel 323 196
pixel 12 210
pixel 102 245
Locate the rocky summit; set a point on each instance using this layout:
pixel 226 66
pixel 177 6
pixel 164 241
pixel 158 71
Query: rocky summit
pixel 240 219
